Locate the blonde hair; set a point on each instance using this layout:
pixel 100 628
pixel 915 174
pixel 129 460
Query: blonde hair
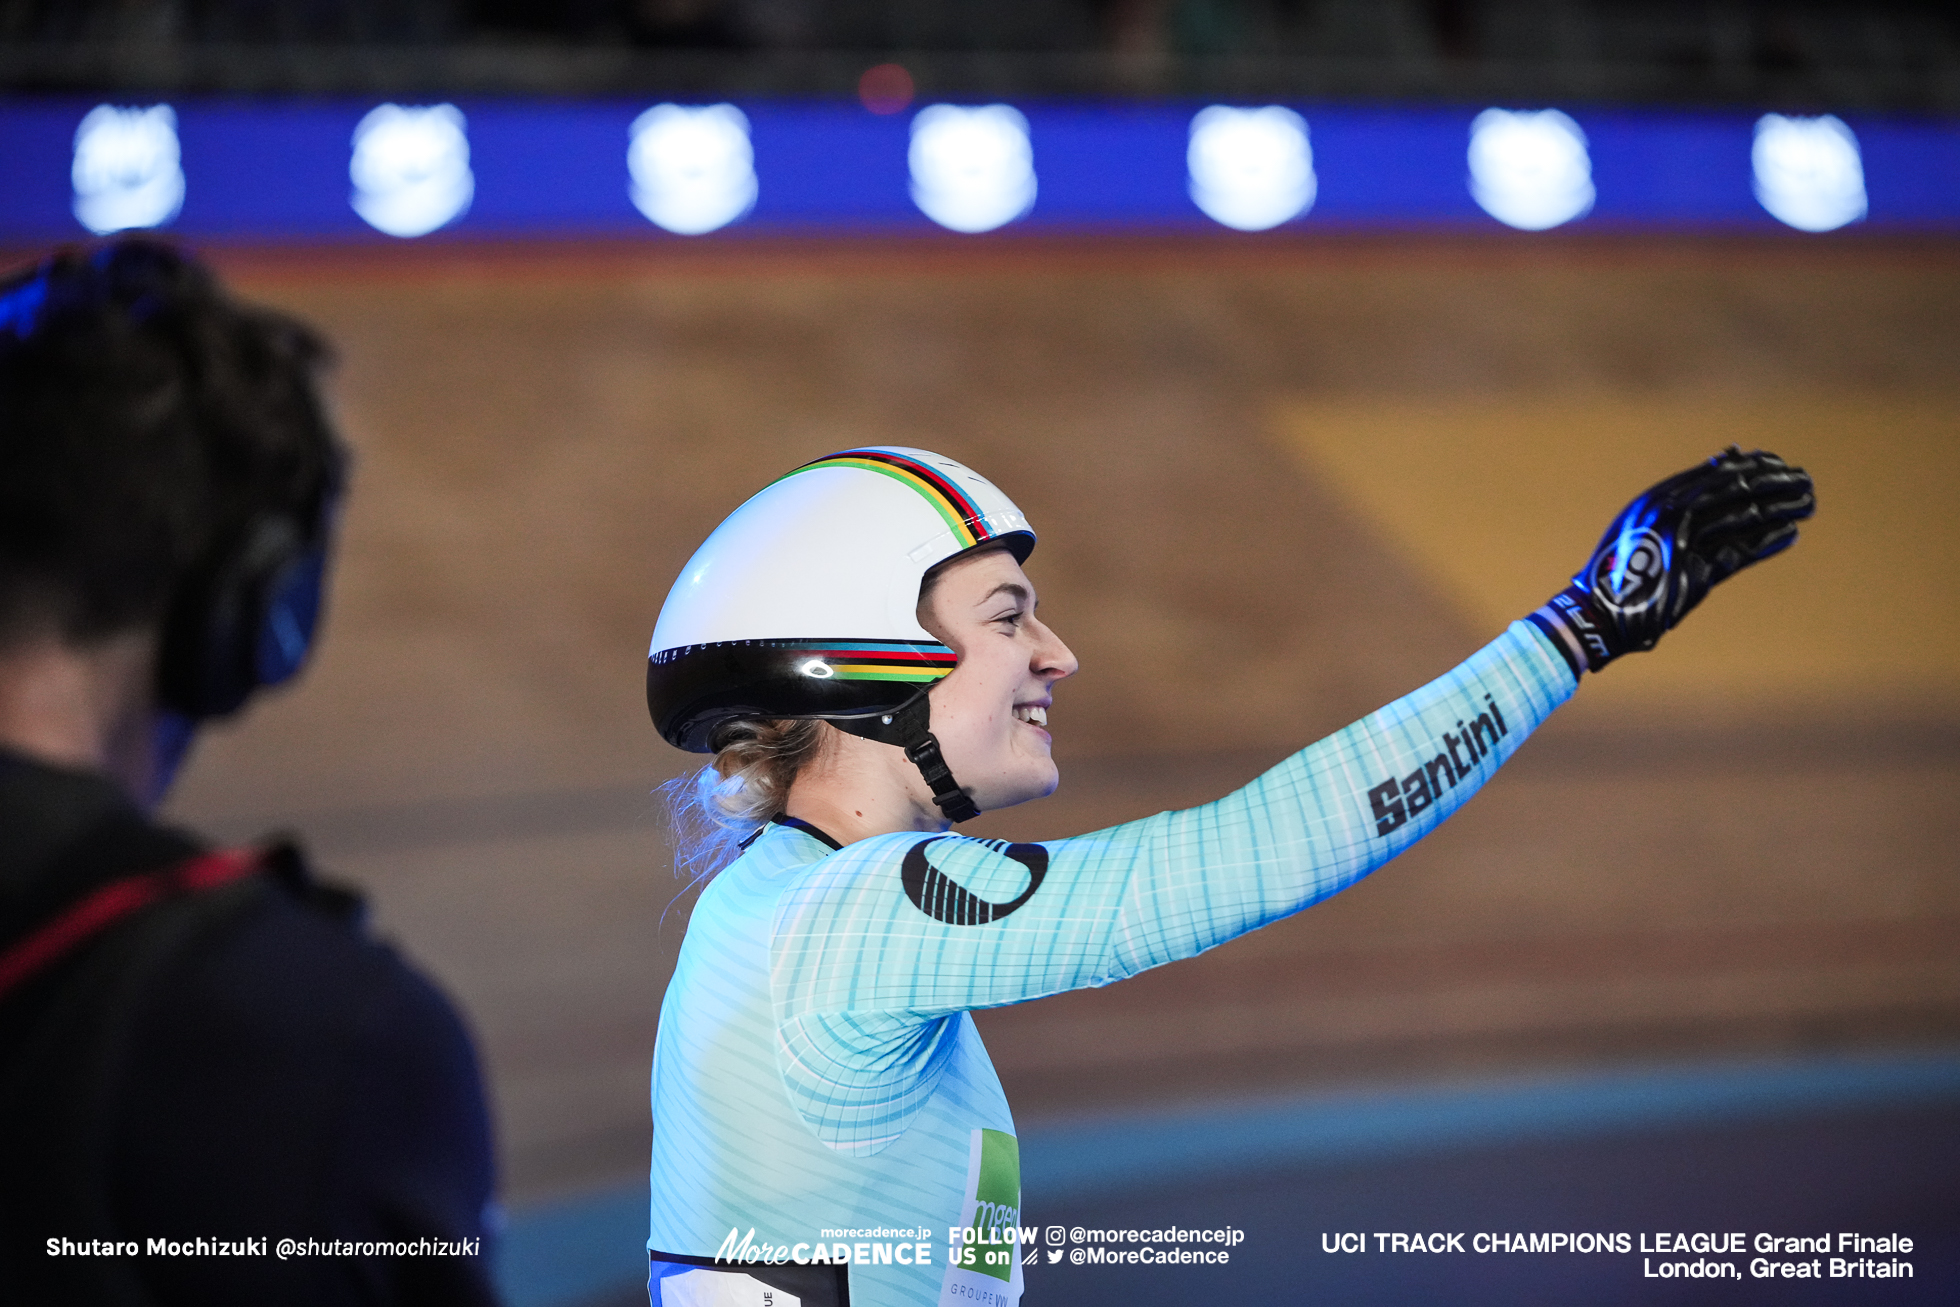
pixel 714 811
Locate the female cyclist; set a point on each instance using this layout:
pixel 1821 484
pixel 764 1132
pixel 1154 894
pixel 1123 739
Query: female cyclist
pixel 824 1112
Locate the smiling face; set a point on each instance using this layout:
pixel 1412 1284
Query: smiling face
pixel 990 715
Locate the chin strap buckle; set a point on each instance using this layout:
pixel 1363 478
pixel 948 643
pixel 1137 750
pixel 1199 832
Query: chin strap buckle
pixel 908 727
pixel 946 792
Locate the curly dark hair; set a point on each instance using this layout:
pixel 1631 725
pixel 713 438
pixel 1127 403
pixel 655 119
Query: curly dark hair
pixel 146 420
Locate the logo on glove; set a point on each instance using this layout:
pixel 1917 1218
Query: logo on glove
pixel 1632 576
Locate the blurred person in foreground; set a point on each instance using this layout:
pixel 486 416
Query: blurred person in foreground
pixel 858 647
pixel 201 1052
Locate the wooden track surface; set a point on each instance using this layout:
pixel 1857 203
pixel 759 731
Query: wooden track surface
pixel 1240 459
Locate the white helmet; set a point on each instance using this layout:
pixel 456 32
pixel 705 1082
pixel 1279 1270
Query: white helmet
pixel 803 603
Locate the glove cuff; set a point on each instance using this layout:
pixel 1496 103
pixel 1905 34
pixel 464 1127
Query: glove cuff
pixel 1577 629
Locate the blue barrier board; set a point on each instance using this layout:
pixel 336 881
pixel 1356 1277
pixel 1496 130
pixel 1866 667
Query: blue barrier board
pixel 346 170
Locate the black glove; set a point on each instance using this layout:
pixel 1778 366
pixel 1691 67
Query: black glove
pixel 1666 550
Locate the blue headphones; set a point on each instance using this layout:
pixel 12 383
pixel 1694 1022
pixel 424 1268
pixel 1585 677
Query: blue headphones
pixel 246 618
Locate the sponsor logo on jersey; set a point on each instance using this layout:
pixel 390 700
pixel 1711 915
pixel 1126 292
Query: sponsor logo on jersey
pixel 983 1263
pixel 942 898
pixel 1396 801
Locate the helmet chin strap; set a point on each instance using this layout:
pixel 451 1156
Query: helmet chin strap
pixel 909 727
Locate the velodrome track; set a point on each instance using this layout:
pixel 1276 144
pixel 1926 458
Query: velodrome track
pixel 1277 485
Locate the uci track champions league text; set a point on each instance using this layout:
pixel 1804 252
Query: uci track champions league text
pixel 1664 1254
pixel 1651 1254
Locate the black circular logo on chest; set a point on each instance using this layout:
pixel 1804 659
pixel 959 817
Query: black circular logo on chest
pixel 942 898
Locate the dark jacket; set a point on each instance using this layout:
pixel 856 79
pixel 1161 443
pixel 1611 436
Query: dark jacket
pixel 235 1064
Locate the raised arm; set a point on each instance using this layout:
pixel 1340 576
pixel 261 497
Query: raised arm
pixel 895 932
pixel 925 925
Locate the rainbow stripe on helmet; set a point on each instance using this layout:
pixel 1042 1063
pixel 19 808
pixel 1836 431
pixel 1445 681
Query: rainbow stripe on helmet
pixel 962 516
pixel 870 660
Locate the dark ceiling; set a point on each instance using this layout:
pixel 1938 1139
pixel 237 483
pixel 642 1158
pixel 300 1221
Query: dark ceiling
pixel 1903 55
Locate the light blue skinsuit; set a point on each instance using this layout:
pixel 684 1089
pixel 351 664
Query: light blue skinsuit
pixel 817 1070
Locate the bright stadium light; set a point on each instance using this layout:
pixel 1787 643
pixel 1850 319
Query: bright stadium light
pixel 693 170
pixel 1251 169
pixel 411 169
pixel 128 168
pixel 972 169
pixel 1530 170
pixel 1808 171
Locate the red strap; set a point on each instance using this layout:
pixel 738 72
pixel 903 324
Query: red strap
pixel 116 900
